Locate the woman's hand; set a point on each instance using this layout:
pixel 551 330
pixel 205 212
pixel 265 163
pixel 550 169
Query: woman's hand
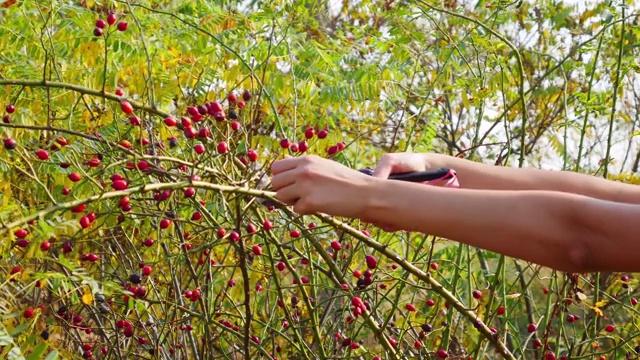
pixel 406 162
pixel 314 184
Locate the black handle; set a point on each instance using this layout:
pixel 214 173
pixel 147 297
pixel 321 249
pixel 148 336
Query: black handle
pixel 418 176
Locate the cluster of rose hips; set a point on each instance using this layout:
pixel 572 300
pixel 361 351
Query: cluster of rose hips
pixel 111 19
pixel 214 110
pixel 193 295
pixel 10 109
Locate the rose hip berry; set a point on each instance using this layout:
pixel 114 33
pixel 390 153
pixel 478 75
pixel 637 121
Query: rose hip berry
pixel 122 26
pixel 75 177
pixel 42 154
pixel 610 328
pixel 285 143
pixel 222 147
pixel 126 107
pixel 199 149
pixel 10 144
pixel 111 18
pixel 371 261
pixel 28 313
pixel 10 109
pixel 101 24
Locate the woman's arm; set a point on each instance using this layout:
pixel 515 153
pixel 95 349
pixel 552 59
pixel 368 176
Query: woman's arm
pixel 563 231
pixel 474 175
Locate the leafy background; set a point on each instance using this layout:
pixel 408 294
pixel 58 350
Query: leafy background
pixel 541 84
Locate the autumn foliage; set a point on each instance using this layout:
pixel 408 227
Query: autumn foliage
pixel 137 138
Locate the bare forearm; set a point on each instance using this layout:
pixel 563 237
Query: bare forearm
pixel 535 226
pixel 473 175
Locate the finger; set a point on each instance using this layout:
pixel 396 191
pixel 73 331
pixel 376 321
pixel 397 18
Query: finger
pixel 288 194
pixel 285 164
pixel 283 179
pixel 384 168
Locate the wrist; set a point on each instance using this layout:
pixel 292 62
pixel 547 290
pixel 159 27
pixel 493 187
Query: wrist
pixel 377 200
pixel 435 161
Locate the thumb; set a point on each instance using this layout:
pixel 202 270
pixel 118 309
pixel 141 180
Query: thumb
pixel 383 170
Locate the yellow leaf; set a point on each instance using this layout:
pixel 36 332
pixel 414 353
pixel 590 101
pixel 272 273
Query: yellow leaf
pixel 465 99
pixel 601 303
pixel 598 312
pixel 87 296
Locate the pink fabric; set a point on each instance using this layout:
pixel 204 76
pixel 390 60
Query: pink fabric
pixel 451 177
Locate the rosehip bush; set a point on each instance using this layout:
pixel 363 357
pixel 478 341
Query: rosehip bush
pixel 137 218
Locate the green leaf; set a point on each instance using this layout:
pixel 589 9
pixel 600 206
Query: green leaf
pixel 37 351
pixel 52 355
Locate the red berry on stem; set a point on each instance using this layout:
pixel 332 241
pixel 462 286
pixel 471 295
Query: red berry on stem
pixel 610 328
pixel 477 294
pixel 93 162
pixel 222 147
pixel 6 119
pixel 246 95
pixel 97 32
pixel 332 150
pixel 119 92
pixel 169 121
pixel 111 18
pixel 28 313
pixel 285 143
pixel 257 250
pixel 371 261
pixel 75 177
pixel 252 155
pixel 165 223
pixel 45 246
pixel 532 327
pixel 126 107
pixel 85 222
pixel 101 24
pixel 199 149
pixel 42 154
pixel 119 185
pixel 21 233
pixel 10 144
pixel 235 125
pixel 123 26
pixel 309 132
pixel 134 120
pixel 232 98
pixel 10 109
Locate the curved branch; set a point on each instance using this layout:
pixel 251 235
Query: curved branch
pixel 270 195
